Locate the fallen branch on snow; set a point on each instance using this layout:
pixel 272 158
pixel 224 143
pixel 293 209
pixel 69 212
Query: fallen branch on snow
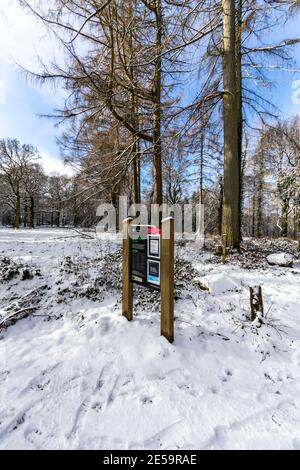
pixel 22 308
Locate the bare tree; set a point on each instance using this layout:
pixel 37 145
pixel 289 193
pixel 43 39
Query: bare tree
pixel 34 184
pixel 15 160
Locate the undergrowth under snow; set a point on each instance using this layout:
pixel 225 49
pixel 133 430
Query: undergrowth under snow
pixel 74 374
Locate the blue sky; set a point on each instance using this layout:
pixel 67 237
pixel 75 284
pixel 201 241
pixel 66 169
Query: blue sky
pixel 22 38
pixel 21 102
pixel 19 118
pixel 283 93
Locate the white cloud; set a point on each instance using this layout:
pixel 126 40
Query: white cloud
pixel 52 164
pixel 24 38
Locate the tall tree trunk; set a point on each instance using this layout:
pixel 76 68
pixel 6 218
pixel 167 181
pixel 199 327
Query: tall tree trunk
pixel 298 222
pixel 75 214
pixel 258 218
pixel 284 218
pixel 157 89
pixel 75 206
pixel 201 167
pixel 31 213
pixel 239 103
pixel 25 215
pixel 57 219
pixel 253 211
pixel 114 199
pixel 259 185
pixel 136 177
pixel 138 164
pixel 231 206
pixel 136 183
pixel 220 207
pixel 17 212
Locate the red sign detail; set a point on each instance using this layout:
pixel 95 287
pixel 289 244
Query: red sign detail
pixel 154 231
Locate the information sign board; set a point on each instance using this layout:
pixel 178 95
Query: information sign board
pixel 145 256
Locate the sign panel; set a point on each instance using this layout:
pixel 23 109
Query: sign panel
pixel 153 272
pixel 154 247
pixel 139 261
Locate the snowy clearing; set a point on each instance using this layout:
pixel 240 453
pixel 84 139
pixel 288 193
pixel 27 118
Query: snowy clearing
pixel 74 374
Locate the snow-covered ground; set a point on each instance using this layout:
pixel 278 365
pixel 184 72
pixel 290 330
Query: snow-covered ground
pixel 74 374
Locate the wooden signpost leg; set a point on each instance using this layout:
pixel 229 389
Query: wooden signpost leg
pixel 127 301
pixel 167 279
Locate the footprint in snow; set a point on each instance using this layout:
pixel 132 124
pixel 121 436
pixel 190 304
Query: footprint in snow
pixel 41 440
pixel 220 437
pixel 89 333
pixel 104 391
pixel 227 376
pixel 296 444
pixel 146 400
pixel 189 389
pixel 3 376
pixel 33 436
pixel 105 325
pixel 39 386
pixel 18 422
pixel 97 407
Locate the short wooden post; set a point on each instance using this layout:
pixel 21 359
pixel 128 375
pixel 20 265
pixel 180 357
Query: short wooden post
pixel 167 279
pixel 127 301
pixel 256 302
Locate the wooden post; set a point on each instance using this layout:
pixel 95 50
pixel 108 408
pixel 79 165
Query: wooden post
pixel 256 302
pixel 167 279
pixel 127 301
